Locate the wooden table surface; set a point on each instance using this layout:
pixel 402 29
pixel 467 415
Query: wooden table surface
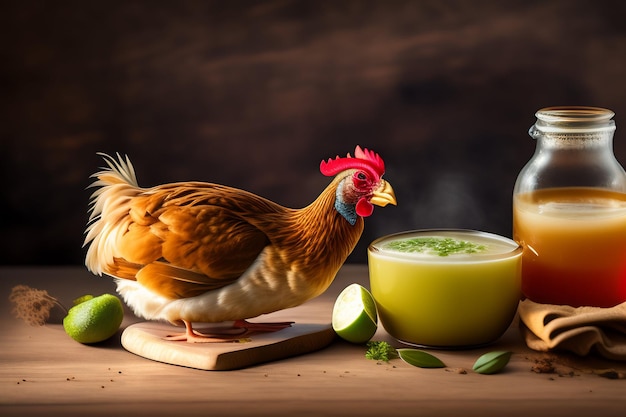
pixel 44 372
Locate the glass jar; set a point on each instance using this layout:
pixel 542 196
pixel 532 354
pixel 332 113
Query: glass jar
pixel 569 210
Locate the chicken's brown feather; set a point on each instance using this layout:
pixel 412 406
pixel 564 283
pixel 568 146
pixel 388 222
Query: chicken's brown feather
pixel 195 228
pixel 202 230
pixel 121 268
pixel 139 246
pixel 173 282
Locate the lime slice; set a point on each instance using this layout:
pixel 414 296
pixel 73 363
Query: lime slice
pixel 354 314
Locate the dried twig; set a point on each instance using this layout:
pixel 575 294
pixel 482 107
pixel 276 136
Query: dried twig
pixel 33 305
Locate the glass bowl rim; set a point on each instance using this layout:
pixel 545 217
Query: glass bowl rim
pixel 516 248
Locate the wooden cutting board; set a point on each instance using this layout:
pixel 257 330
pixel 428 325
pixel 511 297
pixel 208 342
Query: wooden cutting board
pixel 147 340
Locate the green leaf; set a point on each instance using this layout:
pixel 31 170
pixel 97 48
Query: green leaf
pixel 492 362
pixel 420 358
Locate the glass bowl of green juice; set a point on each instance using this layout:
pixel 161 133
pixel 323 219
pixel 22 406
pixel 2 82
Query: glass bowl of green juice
pixel 445 288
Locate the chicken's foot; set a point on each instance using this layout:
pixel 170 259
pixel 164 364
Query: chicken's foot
pixel 235 334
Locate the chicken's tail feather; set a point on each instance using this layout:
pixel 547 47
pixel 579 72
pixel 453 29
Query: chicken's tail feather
pixel 108 210
pixel 122 168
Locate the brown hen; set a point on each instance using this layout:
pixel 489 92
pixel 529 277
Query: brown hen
pixel 200 252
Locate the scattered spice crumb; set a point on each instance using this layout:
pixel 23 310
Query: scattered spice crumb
pixel 460 371
pixel 610 374
pixel 543 366
pixel 553 364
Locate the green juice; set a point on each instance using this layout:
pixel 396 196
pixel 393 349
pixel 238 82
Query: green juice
pixel 445 288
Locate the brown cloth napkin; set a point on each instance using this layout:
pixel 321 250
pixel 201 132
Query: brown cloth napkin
pixel 580 330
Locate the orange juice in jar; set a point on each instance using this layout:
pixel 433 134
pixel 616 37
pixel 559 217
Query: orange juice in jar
pixel 574 242
pixel 569 211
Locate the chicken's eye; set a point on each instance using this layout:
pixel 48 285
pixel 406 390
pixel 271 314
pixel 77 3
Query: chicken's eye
pixel 361 181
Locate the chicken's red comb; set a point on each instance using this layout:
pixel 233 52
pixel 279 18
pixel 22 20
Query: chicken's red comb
pixel 363 159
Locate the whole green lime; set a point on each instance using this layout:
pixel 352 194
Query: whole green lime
pixel 94 319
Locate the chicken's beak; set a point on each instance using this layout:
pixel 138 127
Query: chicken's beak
pixel 383 195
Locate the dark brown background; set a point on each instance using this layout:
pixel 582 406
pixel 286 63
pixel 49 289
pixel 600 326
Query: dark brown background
pixel 254 94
